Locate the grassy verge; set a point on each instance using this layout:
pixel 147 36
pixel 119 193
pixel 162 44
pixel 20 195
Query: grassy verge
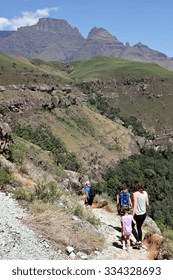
pixel 55 224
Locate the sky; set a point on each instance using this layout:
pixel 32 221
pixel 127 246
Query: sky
pixel 149 21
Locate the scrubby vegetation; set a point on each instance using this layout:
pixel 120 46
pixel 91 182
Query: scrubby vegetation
pixel 110 111
pixel 5 175
pixel 154 170
pixel 43 138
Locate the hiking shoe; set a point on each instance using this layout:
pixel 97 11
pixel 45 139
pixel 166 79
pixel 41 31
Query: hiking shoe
pixel 138 244
pixel 128 249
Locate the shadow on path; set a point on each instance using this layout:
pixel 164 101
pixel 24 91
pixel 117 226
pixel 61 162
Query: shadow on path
pixel 116 228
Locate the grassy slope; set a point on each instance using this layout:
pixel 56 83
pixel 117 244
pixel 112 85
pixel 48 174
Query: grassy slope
pixel 18 70
pixel 104 67
pixel 153 107
pixel 93 138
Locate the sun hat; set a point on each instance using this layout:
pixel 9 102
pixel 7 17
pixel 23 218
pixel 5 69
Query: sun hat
pixel 87 183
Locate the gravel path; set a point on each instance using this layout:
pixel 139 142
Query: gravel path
pixel 110 228
pixel 17 241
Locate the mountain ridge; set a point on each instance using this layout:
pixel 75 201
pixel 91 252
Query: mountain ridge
pixel 56 40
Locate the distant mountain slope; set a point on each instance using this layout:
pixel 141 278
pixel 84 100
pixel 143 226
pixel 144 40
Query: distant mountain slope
pixel 139 89
pixel 104 67
pixel 49 39
pixel 56 40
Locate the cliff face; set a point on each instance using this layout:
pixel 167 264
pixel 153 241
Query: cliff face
pixel 49 39
pixel 99 43
pixel 56 40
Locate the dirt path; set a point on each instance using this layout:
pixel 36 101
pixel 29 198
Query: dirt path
pixel 110 228
pixel 17 241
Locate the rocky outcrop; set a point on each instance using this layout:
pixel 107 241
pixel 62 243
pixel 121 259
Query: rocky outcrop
pixel 156 247
pixel 160 143
pixel 5 137
pixel 50 97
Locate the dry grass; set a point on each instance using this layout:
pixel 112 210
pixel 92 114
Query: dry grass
pixel 97 143
pixel 23 60
pixel 22 180
pixel 57 226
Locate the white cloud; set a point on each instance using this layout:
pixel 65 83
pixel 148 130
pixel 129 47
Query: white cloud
pixel 27 19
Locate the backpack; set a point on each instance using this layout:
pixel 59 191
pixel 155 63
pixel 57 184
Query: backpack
pixel 124 199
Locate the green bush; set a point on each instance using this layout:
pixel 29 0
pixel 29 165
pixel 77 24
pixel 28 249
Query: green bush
pixel 77 210
pixel 18 152
pixel 5 175
pixel 154 170
pixel 23 193
pixel 47 192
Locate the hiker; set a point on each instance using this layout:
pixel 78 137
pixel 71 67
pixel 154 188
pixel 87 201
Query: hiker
pixel 141 201
pixel 126 227
pixel 88 196
pixel 118 199
pixel 123 199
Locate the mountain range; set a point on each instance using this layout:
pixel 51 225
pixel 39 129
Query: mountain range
pixel 57 40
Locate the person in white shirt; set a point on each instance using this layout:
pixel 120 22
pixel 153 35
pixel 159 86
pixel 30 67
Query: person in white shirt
pixel 141 201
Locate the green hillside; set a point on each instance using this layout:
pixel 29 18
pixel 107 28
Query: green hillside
pixel 108 67
pixel 18 70
pixel 143 90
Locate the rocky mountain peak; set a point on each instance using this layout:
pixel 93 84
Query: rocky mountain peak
pixel 140 45
pixel 101 34
pixel 54 25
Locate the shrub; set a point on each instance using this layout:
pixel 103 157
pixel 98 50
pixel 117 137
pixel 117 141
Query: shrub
pixel 77 210
pixel 23 193
pixel 48 192
pixel 18 152
pixel 5 175
pixel 93 220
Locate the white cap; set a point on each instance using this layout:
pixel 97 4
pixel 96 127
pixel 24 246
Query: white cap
pixel 87 183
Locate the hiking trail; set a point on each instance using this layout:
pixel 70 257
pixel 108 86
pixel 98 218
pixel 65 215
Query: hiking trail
pixel 18 241
pixel 110 227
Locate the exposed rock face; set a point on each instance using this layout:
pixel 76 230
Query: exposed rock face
pixel 140 52
pixel 155 244
pixel 99 43
pixel 49 39
pixel 56 40
pixel 100 34
pixel 5 137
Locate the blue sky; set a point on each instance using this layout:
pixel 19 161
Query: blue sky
pixel 149 22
